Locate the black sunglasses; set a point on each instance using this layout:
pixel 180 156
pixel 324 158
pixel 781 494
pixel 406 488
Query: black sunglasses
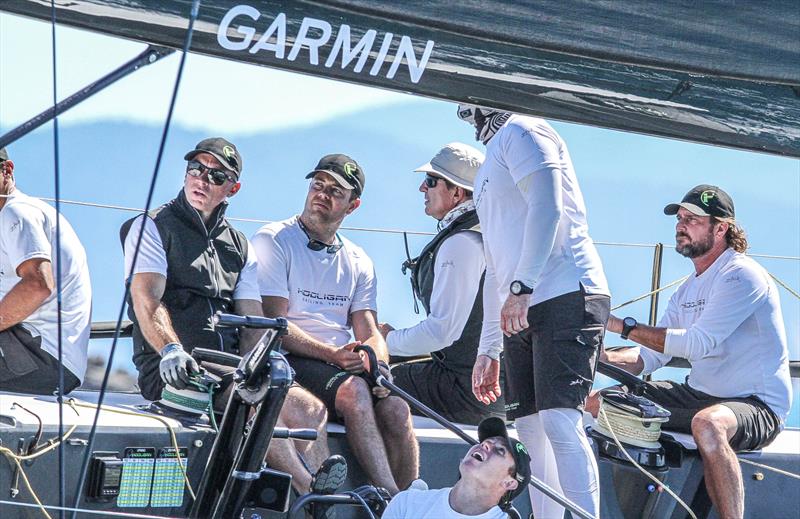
pixel 432 181
pixel 318 245
pixel 215 176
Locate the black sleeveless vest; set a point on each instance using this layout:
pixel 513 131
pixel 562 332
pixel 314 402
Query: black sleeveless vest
pixel 459 356
pixel 203 267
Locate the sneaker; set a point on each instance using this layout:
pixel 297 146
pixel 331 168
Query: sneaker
pixel 330 475
pixel 326 481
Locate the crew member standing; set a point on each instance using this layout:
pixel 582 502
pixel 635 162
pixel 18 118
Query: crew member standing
pixel 545 288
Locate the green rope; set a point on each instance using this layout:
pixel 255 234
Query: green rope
pixel 184 401
pixel 205 406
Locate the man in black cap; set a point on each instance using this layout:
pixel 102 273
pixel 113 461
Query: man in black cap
pixel 191 264
pixel 492 474
pixel 325 286
pixel 726 320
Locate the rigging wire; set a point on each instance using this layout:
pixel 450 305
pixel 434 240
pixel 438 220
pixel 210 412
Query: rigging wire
pixel 186 45
pixel 382 230
pixel 57 181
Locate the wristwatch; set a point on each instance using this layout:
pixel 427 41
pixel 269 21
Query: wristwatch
pixel 628 324
pixel 519 288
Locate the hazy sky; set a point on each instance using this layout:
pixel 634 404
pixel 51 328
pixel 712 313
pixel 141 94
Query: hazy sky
pixel 626 178
pixel 143 97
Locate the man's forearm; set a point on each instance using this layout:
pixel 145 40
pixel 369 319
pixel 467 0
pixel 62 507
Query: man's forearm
pixel 377 343
pixel 248 337
pixel 624 358
pixel 156 325
pixel 21 301
pixel 298 342
pixel 651 337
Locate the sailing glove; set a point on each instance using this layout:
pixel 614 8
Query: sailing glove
pixel 176 365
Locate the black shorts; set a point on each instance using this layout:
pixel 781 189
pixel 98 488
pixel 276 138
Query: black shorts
pixel 26 368
pixel 757 423
pixel 551 363
pixel 322 380
pixel 446 391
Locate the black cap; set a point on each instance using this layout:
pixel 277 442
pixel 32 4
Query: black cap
pixel 3 154
pixel 493 426
pixel 222 150
pixel 705 200
pixel 345 170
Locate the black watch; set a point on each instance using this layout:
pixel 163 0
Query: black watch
pixel 628 324
pixel 519 288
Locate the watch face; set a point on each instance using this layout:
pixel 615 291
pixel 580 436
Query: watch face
pixel 516 288
pixel 629 321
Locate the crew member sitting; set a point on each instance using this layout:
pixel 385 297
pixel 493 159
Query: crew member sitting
pixel 324 284
pixel 447 277
pixel 191 264
pixel 726 320
pixel 29 319
pixel 492 474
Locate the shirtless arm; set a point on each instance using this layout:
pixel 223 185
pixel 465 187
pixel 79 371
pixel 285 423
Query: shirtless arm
pixel 35 286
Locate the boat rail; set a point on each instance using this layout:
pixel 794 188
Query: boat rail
pixel 108 329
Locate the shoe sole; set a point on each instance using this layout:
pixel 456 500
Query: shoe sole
pixel 330 476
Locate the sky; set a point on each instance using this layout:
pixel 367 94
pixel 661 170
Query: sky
pixel 283 122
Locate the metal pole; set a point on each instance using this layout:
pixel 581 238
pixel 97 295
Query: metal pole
pixel 655 283
pixel 251 453
pixel 220 460
pixel 149 56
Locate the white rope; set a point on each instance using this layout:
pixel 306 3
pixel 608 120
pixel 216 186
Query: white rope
pixel 656 291
pixel 105 513
pixel 767 467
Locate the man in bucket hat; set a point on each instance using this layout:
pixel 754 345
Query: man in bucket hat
pixel 447 277
pixel 492 474
pixel 726 320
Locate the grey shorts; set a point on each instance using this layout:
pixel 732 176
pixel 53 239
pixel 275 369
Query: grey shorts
pixel 552 363
pixel 26 368
pixel 757 424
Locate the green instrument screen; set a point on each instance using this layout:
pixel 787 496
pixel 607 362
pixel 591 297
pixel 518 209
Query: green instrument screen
pixel 168 482
pixel 137 477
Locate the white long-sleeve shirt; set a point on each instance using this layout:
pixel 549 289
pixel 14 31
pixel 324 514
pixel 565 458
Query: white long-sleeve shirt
pixel 533 219
pixel 456 279
pixel 727 323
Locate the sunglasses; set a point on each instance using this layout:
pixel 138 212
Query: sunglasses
pixel 215 176
pixel 432 181
pixel 318 245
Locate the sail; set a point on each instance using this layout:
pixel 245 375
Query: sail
pixel 716 72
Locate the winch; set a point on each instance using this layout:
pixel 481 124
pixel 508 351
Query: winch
pixel 196 399
pixel 636 422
